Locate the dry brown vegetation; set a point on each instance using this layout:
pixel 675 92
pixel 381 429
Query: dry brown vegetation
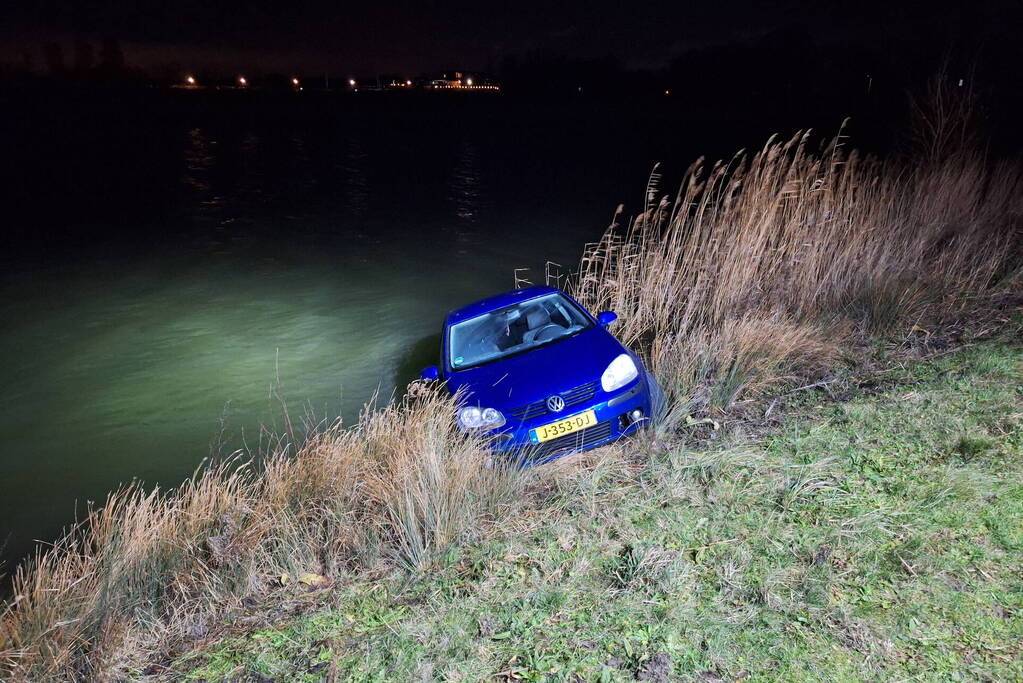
pixel 761 268
pixel 150 569
pixel 767 265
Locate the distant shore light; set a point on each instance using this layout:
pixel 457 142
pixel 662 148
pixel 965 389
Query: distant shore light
pixel 190 80
pixel 409 82
pixel 294 81
pixel 242 80
pixel 469 82
pixel 351 82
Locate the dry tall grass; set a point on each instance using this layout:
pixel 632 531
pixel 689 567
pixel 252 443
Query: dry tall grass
pixel 760 268
pixel 769 263
pixel 149 569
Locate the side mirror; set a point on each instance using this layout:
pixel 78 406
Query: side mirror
pixel 606 318
pixel 430 373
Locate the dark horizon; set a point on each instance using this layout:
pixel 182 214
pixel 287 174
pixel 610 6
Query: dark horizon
pixel 264 37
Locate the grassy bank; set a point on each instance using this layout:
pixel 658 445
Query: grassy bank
pixel 875 537
pixel 777 269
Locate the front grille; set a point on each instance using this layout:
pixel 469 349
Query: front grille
pixel 570 442
pixel 579 394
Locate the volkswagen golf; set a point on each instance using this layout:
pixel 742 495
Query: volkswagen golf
pixel 541 375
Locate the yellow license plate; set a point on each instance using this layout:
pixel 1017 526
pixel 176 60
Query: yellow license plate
pixel 569 425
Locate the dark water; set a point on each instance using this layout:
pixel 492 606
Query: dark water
pixel 170 262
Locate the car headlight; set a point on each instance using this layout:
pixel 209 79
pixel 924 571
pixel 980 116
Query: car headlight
pixel 474 417
pixel 620 372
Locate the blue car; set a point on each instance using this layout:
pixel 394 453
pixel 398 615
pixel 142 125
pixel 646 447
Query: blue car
pixel 541 375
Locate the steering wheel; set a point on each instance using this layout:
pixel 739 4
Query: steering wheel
pixel 547 332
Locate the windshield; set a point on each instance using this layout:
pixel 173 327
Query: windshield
pixel 512 330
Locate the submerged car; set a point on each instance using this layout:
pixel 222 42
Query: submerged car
pixel 542 376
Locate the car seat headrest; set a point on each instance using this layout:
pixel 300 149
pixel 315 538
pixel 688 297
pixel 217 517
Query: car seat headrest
pixel 536 317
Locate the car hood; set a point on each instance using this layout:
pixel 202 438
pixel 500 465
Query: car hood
pixel 537 374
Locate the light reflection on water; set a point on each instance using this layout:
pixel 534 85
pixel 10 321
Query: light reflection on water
pixel 128 375
pixel 465 183
pixel 353 169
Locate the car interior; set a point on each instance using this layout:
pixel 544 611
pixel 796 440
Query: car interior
pixel 522 325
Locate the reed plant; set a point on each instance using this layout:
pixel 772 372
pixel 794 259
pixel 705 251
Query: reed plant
pixel 150 569
pixel 769 263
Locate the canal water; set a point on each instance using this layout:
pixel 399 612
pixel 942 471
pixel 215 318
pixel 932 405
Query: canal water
pixel 174 268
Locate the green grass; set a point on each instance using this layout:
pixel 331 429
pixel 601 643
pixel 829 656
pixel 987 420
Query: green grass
pixel 881 537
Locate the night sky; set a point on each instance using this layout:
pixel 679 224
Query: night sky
pixel 416 37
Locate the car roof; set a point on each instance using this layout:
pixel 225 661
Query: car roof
pixel 497 302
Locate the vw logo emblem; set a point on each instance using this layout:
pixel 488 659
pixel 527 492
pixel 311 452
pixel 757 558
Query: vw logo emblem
pixel 555 404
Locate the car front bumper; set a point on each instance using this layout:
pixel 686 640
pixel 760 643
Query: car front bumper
pixel 615 419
